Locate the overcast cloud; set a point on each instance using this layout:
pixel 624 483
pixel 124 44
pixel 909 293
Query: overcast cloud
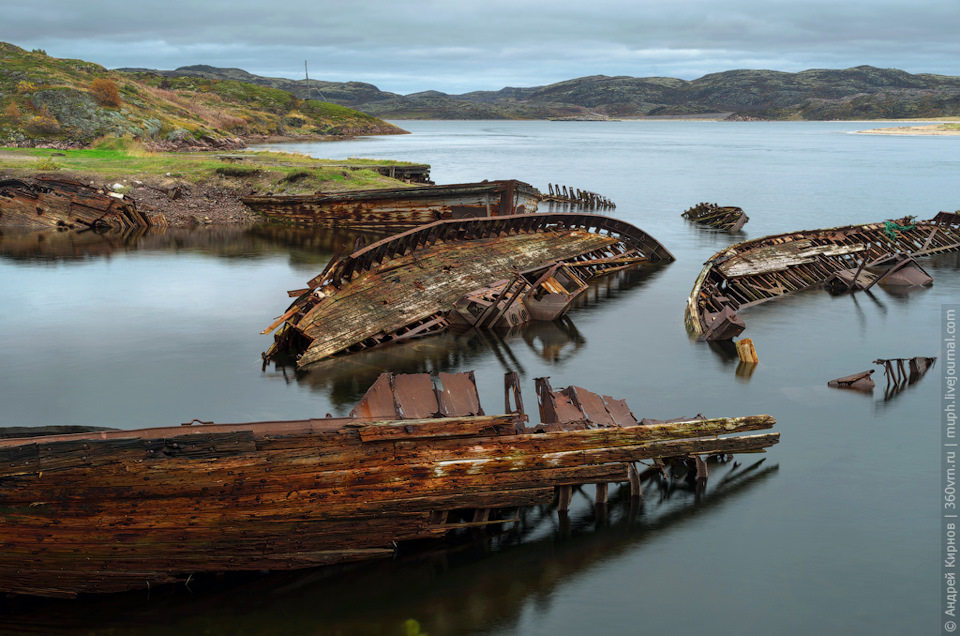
pixel 406 46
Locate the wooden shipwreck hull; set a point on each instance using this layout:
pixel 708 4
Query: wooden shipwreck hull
pixel 759 270
pixel 405 285
pixel 49 203
pixel 728 218
pixel 400 208
pixel 117 510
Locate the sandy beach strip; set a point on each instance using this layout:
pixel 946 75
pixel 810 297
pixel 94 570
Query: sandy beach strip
pixel 932 129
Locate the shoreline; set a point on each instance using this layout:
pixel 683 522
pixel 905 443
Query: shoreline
pixel 927 130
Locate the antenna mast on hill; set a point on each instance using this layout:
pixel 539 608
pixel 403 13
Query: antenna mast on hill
pixel 307 74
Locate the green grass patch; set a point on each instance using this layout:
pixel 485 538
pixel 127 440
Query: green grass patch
pixel 237 171
pixel 114 160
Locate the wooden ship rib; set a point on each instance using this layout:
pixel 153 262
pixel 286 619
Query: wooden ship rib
pixel 762 269
pixel 404 286
pixel 398 209
pixel 115 510
pixel 49 202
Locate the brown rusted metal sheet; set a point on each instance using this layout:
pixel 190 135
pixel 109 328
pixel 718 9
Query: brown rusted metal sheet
pixel 619 411
pixel 727 218
pixel 458 396
pixel 848 257
pixel 399 208
pixel 406 285
pixel 593 407
pixel 48 202
pixel 415 396
pixel 298 494
pixel 377 403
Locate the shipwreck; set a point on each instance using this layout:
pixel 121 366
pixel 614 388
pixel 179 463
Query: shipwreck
pixel 407 285
pixel 48 202
pixel 728 218
pixel 399 208
pixel 114 510
pixel 841 258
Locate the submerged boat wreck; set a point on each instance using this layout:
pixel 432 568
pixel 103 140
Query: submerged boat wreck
pixel 406 285
pixel 728 218
pixel 576 197
pixel 48 202
pixel 759 270
pixel 117 510
pixel 399 208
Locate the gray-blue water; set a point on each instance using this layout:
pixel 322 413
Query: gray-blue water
pixel 837 531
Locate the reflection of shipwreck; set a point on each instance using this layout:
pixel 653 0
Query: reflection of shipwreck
pixel 48 202
pixel 728 218
pixel 399 208
pixel 758 270
pixel 90 512
pixel 406 285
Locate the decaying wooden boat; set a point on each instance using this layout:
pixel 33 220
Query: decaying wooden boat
pixel 758 270
pixel 728 218
pixel 124 509
pixel 399 208
pixel 48 202
pixel 405 285
pixel 583 199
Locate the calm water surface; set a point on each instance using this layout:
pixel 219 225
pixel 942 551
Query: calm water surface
pixel 835 532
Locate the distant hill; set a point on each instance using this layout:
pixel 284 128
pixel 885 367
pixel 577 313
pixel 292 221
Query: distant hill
pixel 62 101
pixel 864 92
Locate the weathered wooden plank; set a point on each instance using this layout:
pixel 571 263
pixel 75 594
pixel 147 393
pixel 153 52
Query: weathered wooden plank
pixel 434 427
pixel 384 300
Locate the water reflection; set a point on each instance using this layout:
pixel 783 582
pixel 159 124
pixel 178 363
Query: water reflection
pixel 345 379
pixel 306 247
pixel 471 581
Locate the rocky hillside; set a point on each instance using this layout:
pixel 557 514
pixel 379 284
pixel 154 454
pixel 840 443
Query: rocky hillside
pixel 51 101
pixel 863 92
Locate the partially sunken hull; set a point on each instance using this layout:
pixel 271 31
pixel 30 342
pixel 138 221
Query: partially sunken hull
pixel 727 218
pixel 119 510
pixel 405 285
pixel 762 269
pixel 60 203
pixel 401 208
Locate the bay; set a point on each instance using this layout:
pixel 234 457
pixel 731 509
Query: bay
pixel 836 531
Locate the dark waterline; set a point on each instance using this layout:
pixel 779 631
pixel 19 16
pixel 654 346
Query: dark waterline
pixel 836 532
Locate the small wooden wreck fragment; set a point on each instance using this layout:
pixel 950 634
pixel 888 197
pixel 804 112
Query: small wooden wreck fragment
pixel 48 202
pixel 857 381
pixel 91 511
pixel 727 218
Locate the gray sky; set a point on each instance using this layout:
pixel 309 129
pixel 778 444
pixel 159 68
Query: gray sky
pixel 455 46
